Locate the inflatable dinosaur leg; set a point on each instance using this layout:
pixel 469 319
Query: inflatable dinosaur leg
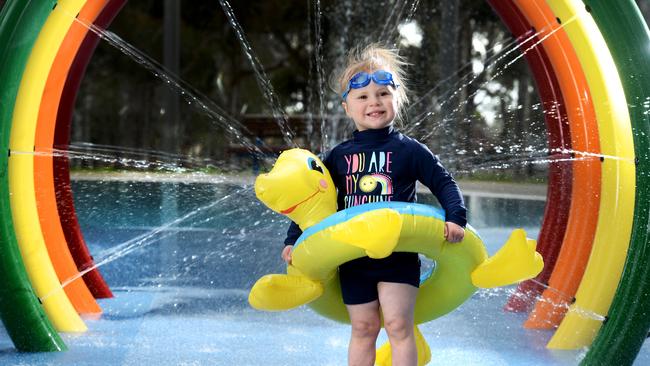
pixel 376 232
pixel 516 261
pixel 276 292
pixel 384 355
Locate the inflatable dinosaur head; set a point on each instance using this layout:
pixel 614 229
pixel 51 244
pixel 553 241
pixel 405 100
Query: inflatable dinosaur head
pixel 299 186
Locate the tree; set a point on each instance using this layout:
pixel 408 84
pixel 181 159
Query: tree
pixel 299 46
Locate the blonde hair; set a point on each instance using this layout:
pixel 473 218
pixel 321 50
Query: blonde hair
pixel 375 57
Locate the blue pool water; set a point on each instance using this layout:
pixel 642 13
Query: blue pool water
pixel 180 295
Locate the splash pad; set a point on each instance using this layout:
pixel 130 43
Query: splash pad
pixel 584 68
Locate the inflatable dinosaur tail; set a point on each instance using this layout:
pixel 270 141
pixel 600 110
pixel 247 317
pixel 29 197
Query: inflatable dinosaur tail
pixel 384 355
pixel 516 261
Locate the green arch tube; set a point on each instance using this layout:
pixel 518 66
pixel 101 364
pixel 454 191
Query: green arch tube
pixel 20 310
pixel 626 328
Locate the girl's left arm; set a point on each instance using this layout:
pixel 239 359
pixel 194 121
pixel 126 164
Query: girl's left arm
pixel 430 171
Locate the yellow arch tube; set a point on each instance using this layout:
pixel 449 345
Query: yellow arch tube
pixel 21 170
pixel 603 272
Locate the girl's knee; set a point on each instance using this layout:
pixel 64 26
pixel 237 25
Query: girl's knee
pixel 366 328
pixel 398 328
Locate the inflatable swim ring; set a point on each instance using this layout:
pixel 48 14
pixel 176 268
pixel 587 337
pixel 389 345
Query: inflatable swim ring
pixel 300 187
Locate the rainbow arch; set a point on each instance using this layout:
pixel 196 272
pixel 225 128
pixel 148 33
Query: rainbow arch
pixel 44 54
pixel 594 236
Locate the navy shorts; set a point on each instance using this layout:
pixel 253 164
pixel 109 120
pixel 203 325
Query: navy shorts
pixel 359 277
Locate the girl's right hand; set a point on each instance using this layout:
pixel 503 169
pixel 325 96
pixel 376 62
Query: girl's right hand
pixel 286 253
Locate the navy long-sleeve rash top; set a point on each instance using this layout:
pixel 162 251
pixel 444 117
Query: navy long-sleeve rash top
pixel 384 165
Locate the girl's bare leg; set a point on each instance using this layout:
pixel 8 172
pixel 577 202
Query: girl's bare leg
pixel 365 329
pixel 397 306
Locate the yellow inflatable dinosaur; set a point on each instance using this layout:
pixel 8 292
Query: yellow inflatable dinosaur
pixel 300 187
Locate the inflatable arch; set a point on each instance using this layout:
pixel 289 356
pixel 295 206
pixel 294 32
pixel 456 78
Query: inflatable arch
pixel 590 66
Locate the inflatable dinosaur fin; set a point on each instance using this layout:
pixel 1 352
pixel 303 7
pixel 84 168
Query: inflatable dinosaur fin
pixel 376 232
pixel 516 261
pixel 276 292
pixel 384 355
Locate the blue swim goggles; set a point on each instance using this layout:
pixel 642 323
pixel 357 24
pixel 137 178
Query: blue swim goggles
pixel 362 79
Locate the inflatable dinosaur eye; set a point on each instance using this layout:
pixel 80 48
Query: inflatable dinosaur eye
pixel 313 165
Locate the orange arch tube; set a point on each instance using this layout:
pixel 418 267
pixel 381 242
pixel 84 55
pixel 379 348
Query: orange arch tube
pixel 64 265
pixel 583 214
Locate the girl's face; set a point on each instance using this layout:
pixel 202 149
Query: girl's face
pixel 371 107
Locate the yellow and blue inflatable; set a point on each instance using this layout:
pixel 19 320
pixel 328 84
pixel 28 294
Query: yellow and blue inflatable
pixel 300 187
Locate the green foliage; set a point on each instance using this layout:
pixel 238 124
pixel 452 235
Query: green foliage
pixel 122 103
